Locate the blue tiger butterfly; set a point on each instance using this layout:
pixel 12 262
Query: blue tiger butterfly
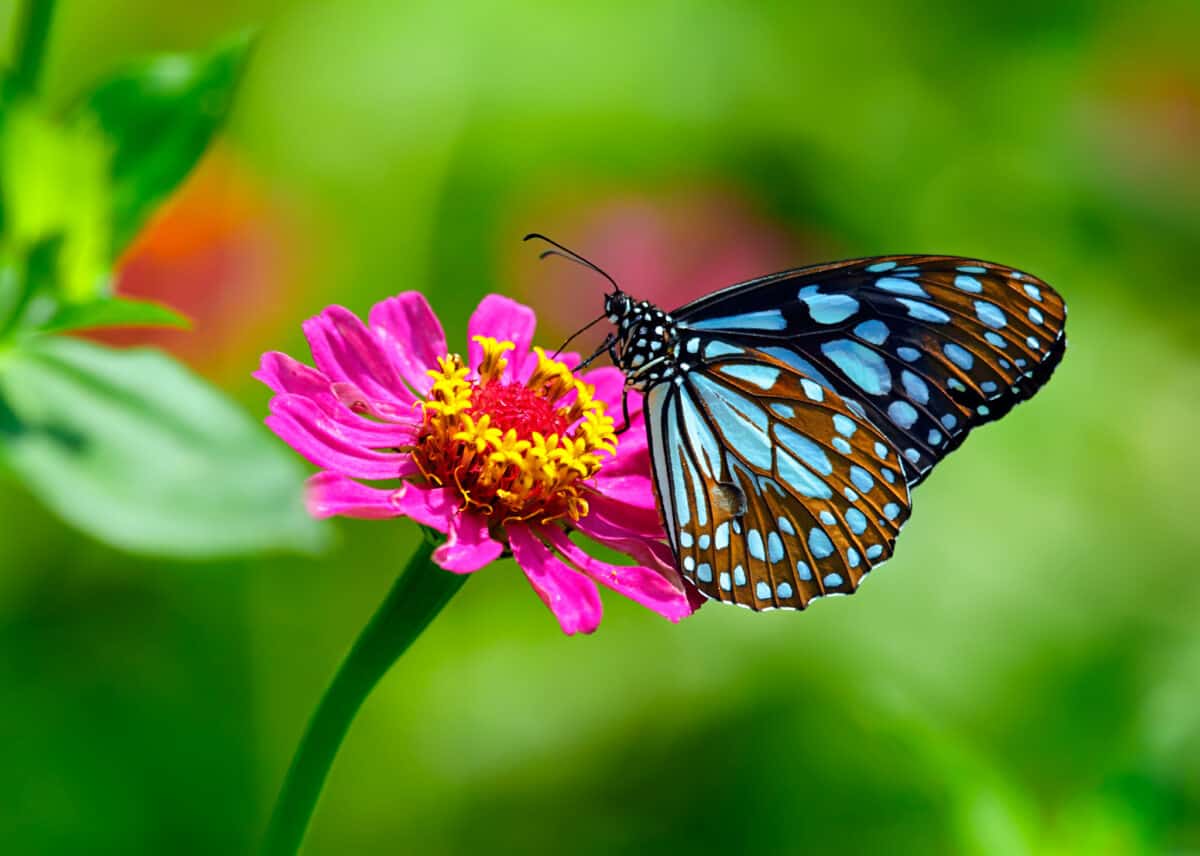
pixel 789 417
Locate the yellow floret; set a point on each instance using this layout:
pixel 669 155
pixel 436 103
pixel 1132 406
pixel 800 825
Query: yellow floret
pixel 540 478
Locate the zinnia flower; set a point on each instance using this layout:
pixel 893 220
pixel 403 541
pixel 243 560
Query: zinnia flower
pixel 507 451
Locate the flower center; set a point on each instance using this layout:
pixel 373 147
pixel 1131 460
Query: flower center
pixel 513 451
pixel 517 407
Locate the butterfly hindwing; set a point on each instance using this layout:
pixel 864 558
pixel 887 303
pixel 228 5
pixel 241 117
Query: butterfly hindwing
pixel 773 490
pixel 925 347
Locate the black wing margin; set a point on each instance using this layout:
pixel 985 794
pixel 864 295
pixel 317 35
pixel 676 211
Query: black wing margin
pixel 925 347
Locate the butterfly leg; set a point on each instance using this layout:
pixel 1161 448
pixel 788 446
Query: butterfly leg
pixel 624 412
pixel 608 345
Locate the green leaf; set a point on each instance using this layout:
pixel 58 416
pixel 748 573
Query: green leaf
pixel 132 448
pixel 115 312
pixel 54 186
pixel 161 115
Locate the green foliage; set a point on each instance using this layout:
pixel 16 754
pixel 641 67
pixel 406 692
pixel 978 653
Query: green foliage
pixel 160 115
pixel 54 187
pixel 129 447
pixel 134 449
pixel 113 312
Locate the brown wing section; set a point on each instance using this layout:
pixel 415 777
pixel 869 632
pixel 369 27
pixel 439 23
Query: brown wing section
pixel 774 492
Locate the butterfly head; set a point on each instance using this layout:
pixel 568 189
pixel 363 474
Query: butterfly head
pixel 618 306
pixel 645 346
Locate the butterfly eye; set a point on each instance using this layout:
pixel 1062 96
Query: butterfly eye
pixel 616 306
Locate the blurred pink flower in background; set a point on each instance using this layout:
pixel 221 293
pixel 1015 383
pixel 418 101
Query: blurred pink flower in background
pixel 505 451
pixel 221 253
pixel 667 248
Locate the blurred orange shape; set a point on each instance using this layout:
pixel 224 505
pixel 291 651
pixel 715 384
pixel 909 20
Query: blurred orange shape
pixel 222 253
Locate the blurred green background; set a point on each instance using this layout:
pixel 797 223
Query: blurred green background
pixel 1024 677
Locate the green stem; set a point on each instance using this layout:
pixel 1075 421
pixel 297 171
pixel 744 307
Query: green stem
pixel 417 596
pixel 34 29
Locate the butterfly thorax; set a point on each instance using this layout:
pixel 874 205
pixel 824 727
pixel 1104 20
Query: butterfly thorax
pixel 646 347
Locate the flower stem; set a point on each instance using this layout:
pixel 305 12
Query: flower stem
pixel 415 599
pixel 34 28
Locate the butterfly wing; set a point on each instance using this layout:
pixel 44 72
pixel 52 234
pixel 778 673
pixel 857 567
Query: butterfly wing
pixel 773 490
pixel 925 347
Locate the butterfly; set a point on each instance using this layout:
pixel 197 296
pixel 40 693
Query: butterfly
pixel 790 417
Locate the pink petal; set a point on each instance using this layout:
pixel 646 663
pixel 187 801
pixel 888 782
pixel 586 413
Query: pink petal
pixel 653 554
pixel 353 399
pixel 633 451
pixel 469 546
pixel 314 439
pixel 640 522
pixel 634 489
pixel 331 494
pixel 505 320
pixel 570 595
pixel 434 507
pixel 609 382
pixel 643 585
pixel 345 350
pixel 354 430
pixel 286 375
pixel 410 332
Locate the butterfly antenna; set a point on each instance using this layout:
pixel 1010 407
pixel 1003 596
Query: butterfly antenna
pixel 569 255
pixel 577 334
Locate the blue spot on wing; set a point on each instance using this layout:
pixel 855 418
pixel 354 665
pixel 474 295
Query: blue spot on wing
pixel 717 348
pixel 763 377
pixel 902 413
pixel 990 314
pixel 859 363
pixel 896 285
pixel 828 308
pixel 924 312
pixel 766 319
pixel 959 355
pixel 819 543
pixel 916 388
pixel 803 448
pixel 873 331
pixel 743 422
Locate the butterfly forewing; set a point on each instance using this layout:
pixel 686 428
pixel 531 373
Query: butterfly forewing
pixel 774 491
pixel 925 347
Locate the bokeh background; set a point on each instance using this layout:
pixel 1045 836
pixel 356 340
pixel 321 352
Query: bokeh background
pixel 1024 677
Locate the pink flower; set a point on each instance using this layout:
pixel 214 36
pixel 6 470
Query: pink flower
pixel 505 452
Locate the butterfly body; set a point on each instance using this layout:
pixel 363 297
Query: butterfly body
pixel 790 416
pixel 646 345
